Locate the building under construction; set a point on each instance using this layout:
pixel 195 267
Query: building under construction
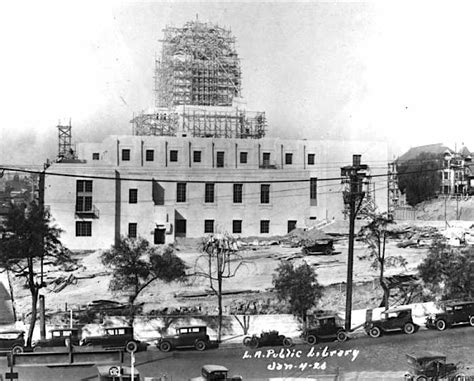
pixel 198 87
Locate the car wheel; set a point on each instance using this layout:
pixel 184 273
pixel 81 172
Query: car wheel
pixel 254 343
pixel 311 339
pixel 440 325
pixel 421 378
pixel 341 336
pixel 287 342
pixel 460 377
pixel 409 328
pixel 471 321
pixel 200 345
pixel 165 346
pixel 131 347
pixel 327 251
pixel 36 348
pixel 17 349
pixel 247 340
pixel 375 332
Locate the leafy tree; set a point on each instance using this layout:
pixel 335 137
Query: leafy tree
pixel 419 178
pixel 136 265
pixel 30 240
pixel 298 286
pixel 219 261
pixel 375 235
pixel 447 272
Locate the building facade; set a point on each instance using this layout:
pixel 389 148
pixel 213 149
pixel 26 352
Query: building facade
pixel 161 187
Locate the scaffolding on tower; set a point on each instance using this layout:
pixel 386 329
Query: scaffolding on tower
pixel 65 147
pixel 198 87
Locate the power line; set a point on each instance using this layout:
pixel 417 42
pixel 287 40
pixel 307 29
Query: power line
pixel 160 180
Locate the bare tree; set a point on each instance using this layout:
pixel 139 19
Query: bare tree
pixel 375 235
pixel 219 260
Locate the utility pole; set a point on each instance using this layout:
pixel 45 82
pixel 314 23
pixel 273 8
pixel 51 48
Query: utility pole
pixel 353 197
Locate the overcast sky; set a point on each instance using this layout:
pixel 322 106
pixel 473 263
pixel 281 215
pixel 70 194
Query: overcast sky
pixel 396 71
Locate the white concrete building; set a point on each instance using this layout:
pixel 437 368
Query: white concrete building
pixel 161 187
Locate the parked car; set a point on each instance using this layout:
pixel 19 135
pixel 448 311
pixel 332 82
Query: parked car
pixel 320 246
pixel 215 373
pixel 270 338
pixel 13 340
pixel 187 337
pixel 453 313
pixel 428 365
pixel 325 328
pixel 115 337
pixel 60 337
pixel 395 319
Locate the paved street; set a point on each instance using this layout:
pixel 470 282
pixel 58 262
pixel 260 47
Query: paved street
pixel 385 354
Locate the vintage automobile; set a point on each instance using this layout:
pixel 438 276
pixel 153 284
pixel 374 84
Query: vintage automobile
pixel 429 365
pixel 270 338
pixel 395 319
pixel 60 337
pixel 115 337
pixel 215 373
pixel 320 246
pixel 325 328
pixel 13 340
pixel 453 313
pixel 187 337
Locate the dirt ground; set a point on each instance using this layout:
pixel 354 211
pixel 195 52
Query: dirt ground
pixel 250 288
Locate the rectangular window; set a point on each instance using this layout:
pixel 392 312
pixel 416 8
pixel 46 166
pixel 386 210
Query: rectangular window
pixel 288 158
pixel 220 159
pixel 265 193
pixel 291 225
pixel 125 155
pixel 150 155
pixel 313 191
pixel 95 156
pixel 243 157
pixel 173 155
pixel 237 226
pixel 264 226
pixel 197 156
pixel 133 196
pixel 158 193
pixel 310 158
pixel 83 195
pixel 208 226
pixel 132 230
pixel 181 192
pixel 209 192
pixel 266 159
pixel 83 228
pixel 238 192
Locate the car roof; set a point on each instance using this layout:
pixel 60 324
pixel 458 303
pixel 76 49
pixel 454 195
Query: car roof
pixel 121 327
pixel 214 368
pixel 191 326
pixel 427 355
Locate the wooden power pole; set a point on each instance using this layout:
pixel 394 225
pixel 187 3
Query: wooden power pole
pixel 353 174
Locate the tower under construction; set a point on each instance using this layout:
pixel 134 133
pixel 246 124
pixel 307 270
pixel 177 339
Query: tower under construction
pixel 198 87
